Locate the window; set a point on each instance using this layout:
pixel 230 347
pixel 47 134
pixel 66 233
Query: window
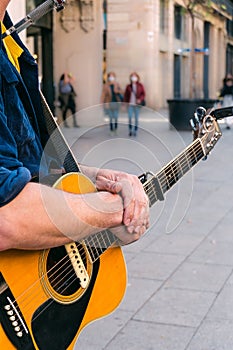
pixel 178 18
pixel 229 58
pixel 162 17
pixel 229 27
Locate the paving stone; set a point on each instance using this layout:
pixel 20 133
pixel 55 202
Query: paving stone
pixel 154 265
pixel 212 251
pixel 213 335
pixel 194 276
pixel 176 307
pixel 149 336
pixel 222 309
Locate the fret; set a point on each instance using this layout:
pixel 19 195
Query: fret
pixel 179 165
pixel 92 255
pixel 169 179
pixel 92 251
pixel 163 179
pixel 195 154
pixel 173 172
pixel 106 238
pixel 176 174
pixel 186 166
pixel 154 190
pixel 191 157
pixel 112 239
pixel 150 191
pixel 98 243
pixel 103 239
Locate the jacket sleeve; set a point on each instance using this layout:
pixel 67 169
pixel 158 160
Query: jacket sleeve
pixel 142 93
pixel 13 175
pixel 222 92
pixel 103 93
pixel 127 94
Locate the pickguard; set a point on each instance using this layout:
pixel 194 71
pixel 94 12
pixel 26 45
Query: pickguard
pixel 55 325
pixel 12 319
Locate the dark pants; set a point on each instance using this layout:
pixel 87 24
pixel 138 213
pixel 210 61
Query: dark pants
pixel 68 104
pixel 113 112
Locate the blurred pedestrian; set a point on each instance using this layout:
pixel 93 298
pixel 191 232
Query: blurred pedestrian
pixel 67 96
pixel 135 97
pixel 111 97
pixel 227 94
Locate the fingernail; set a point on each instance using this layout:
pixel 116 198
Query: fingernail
pixel 130 229
pixel 127 221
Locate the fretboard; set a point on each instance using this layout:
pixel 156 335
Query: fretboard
pixel 160 183
pixel 98 243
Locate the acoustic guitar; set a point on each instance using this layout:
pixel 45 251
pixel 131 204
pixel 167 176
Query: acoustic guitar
pixel 47 297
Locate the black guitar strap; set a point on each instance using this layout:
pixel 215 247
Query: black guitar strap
pixel 58 141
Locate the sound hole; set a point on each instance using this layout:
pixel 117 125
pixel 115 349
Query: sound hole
pixel 61 274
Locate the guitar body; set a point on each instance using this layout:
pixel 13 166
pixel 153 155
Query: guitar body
pixel 40 308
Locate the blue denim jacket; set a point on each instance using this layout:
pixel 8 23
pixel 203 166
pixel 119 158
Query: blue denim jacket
pixel 22 127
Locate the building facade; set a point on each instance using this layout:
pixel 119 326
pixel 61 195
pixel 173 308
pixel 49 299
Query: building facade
pixel 158 39
pixel 174 56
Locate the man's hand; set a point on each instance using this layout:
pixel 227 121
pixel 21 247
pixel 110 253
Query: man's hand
pixel 135 201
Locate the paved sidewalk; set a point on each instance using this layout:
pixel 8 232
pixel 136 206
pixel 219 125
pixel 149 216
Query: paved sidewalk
pixel 180 284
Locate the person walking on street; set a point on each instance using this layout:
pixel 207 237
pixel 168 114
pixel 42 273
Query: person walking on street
pixel 67 96
pixel 111 97
pixel 135 97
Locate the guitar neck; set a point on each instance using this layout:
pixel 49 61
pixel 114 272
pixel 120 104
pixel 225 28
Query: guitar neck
pixel 161 182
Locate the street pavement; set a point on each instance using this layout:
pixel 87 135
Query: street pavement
pixel 179 293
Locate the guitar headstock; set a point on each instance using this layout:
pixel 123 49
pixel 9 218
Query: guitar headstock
pixel 205 127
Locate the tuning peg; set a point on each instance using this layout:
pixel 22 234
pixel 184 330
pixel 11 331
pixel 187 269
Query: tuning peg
pixel 197 118
pixel 199 113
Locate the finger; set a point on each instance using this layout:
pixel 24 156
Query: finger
pixel 108 185
pixel 128 215
pixel 141 209
pixel 140 223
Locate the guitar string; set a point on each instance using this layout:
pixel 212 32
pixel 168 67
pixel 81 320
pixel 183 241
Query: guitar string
pixel 60 290
pixel 167 181
pixel 29 295
pixel 58 277
pixel 172 169
pixel 168 168
pixel 183 159
pixel 65 259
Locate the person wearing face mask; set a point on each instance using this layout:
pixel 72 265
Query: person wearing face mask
pixel 135 97
pixel 111 96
